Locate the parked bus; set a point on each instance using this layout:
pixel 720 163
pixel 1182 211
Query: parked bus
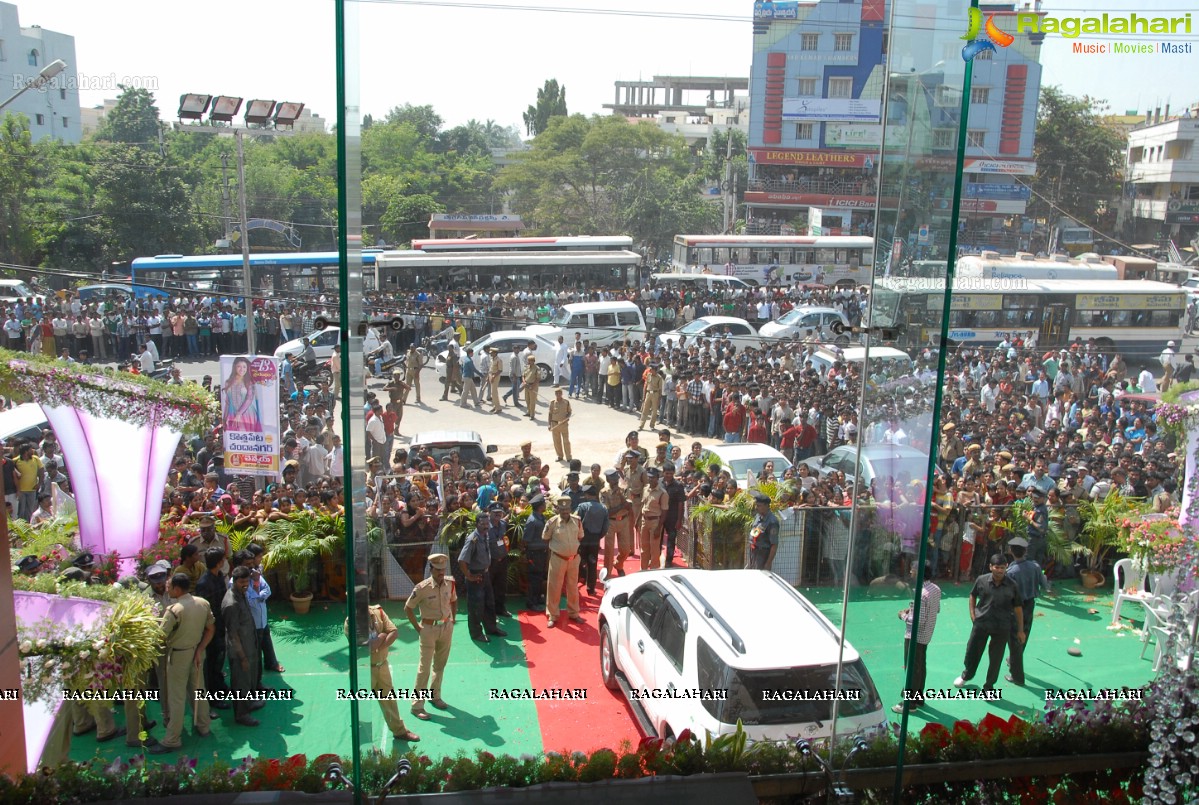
pixel 582 243
pixel 1022 265
pixel 1136 318
pixel 294 275
pixel 506 270
pixel 777 259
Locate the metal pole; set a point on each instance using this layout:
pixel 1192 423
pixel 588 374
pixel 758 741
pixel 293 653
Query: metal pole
pixel 251 346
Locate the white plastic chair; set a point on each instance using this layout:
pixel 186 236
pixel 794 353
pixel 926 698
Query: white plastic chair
pixel 1129 579
pixel 1157 613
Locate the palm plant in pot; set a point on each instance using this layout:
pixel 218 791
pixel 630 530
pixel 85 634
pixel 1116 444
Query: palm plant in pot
pixel 1103 522
pixel 296 545
pixel 727 525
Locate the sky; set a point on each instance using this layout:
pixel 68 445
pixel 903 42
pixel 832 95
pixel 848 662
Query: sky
pixel 476 61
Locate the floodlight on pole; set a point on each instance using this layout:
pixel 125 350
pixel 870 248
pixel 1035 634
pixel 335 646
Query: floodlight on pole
pixel 287 113
pixel 193 106
pixel 48 73
pixel 258 113
pixel 224 107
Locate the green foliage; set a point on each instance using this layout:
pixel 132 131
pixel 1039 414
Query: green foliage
pixel 551 102
pixel 1079 157
pixel 22 168
pixel 604 175
pixel 134 120
pixel 1103 521
pixel 455 528
pixel 1060 549
pixel 297 544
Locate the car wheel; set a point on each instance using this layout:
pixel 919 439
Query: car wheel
pixel 607 659
pixel 842 340
pixel 544 373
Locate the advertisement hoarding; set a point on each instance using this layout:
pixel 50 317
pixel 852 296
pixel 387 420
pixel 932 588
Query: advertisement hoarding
pixel 250 414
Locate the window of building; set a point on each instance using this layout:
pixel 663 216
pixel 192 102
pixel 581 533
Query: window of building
pixel 34 58
pixel 948 96
pixel 809 41
pixel 41 119
pixel 62 94
pixel 2 56
pixel 66 122
pixel 808 87
pixel 983 55
pixel 840 87
pixel 886 41
pixel 842 42
pixel 943 138
pixel 803 131
pixel 974 139
pixel 980 95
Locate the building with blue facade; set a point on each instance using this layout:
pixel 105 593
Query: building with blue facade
pixel 816 87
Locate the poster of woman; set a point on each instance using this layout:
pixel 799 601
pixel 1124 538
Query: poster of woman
pixel 249 390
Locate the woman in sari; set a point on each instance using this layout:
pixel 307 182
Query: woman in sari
pixel 241 400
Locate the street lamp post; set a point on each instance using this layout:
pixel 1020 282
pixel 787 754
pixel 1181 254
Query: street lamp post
pixel 37 82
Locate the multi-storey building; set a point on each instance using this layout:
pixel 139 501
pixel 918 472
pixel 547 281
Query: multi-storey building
pixel 816 87
pixel 1162 176
pixel 53 110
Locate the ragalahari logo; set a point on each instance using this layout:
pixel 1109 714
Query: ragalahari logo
pixel 980 37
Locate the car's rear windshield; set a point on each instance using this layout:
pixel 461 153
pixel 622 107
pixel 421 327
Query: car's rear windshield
pixel 740 466
pixel 470 456
pixel 783 695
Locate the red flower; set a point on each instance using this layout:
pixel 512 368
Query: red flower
pixel 935 732
pixel 964 728
pixel 684 736
pixel 296 762
pixel 992 723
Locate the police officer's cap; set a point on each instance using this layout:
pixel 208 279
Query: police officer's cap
pixel 28 564
pixel 653 472
pixel 495 507
pixel 761 498
pixel 562 499
pixel 439 561
pixel 74 574
pixel 1018 542
pixel 613 473
pixel 84 560
pixel 588 489
pixel 1037 492
pixel 158 572
pixel 572 476
pixel 536 500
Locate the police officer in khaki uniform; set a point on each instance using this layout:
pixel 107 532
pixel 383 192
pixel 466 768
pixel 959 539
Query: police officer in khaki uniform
pixel 525 457
pixel 635 479
pixel 158 575
pixel 620 526
pixel 188 626
pixel 382 633
pixel 559 417
pixel 563 532
pixel 494 369
pixel 653 397
pixel 531 379
pixel 653 510
pixel 436 599
pixel 412 373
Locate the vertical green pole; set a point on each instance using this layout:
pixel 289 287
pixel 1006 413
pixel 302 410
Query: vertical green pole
pixel 934 443
pixel 347 434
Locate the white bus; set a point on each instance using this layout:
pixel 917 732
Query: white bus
pixel 506 270
pixel 777 259
pixel 578 243
pixel 1135 318
pixel 1022 265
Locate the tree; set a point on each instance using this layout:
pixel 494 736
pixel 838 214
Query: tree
pixel 551 102
pixel 133 120
pixel 1079 157
pixel 606 176
pixel 143 205
pixel 20 163
pixel 423 119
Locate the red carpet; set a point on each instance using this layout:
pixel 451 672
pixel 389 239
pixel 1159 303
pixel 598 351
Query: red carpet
pixel 567 656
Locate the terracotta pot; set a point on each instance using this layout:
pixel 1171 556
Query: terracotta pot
pixel 301 603
pixel 1092 579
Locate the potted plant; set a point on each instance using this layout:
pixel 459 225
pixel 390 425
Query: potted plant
pixel 728 524
pixel 297 544
pixel 1059 548
pixel 1103 523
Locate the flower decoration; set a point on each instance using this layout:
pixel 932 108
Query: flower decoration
pixel 135 399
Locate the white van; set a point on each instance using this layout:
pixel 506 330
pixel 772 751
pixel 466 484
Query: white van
pixel 894 363
pixel 597 322
pixel 15 289
pixel 708 282
pixel 24 422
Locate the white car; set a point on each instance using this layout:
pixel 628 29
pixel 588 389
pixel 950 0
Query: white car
pixel 796 322
pixel 322 342
pixel 507 342
pixel 748 457
pixel 472 453
pixel 739 331
pixel 702 650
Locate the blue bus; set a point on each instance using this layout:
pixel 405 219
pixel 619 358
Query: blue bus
pixel 295 275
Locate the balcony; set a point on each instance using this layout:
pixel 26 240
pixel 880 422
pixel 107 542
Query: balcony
pixel 832 187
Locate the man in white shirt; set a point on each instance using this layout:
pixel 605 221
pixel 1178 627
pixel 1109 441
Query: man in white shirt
pixel 145 359
pixel 334 467
pixel 1167 359
pixel 561 362
pixel 1147 382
